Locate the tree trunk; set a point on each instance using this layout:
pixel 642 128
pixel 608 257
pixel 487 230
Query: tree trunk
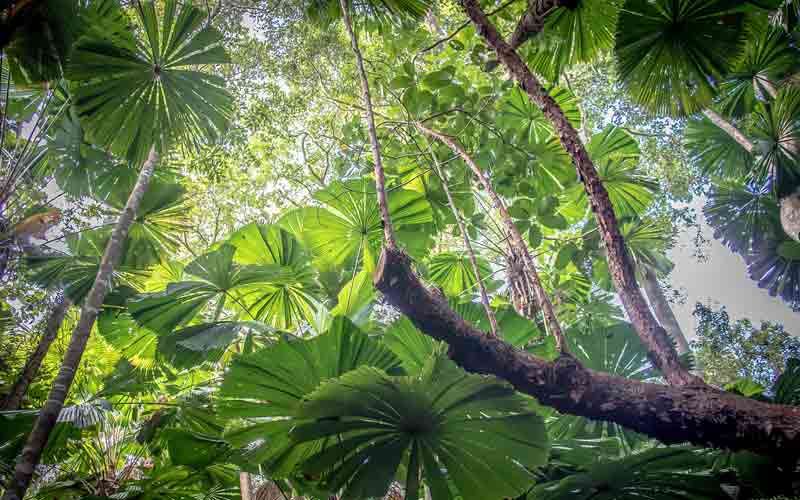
pixel 663 310
pixel 37 440
pixel 467 244
pixel 550 319
pixel 245 486
pixel 31 369
pixel 380 178
pixel 729 128
pixel 692 413
pixel 653 336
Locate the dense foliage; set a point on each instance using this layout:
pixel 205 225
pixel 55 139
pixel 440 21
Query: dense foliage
pixel 191 219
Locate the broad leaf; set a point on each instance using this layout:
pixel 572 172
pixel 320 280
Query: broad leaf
pixel 132 94
pixel 478 430
pixel 454 273
pixel 669 52
pixel 658 474
pixel 272 382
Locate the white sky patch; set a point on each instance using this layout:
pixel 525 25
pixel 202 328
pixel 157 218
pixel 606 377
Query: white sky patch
pixel 721 280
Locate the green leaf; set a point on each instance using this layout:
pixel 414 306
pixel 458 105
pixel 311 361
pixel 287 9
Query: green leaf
pixel 554 221
pixel 614 349
pixel 409 344
pixel 206 342
pixel 349 227
pixel 787 387
pixel 745 387
pixel 518 115
pixel 658 473
pixel 215 275
pixel 132 94
pixel 437 79
pixel 455 275
pixel 83 169
pixel 267 383
pixel 715 151
pixel 194 450
pixel 401 82
pixel 789 250
pixel 534 237
pixel 565 255
pixel 615 154
pixel 355 298
pixel 32 57
pixel 153 234
pixel 479 430
pixel 668 52
pixel 767 58
pixel 571 35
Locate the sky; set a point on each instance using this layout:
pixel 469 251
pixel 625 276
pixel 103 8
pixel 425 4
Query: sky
pixel 721 280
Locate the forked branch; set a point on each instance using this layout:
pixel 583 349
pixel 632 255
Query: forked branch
pixel 543 300
pixel 697 414
pixel 660 348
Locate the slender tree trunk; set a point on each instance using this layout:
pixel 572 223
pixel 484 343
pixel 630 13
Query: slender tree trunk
pixel 729 129
pixel 380 178
pixel 691 413
pixel 653 336
pixel 38 437
pixel 467 244
pixel 663 310
pixel 246 486
pixel 551 321
pixel 31 369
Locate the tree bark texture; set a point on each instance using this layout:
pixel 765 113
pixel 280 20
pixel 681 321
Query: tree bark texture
pixel 663 311
pixel 532 21
pixel 37 440
pixel 467 245
pixel 729 129
pixel 13 400
pixel 654 337
pixel 550 319
pixel 245 486
pixel 693 413
pixel 522 296
pixel 380 178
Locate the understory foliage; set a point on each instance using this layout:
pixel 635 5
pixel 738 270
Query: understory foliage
pixel 242 341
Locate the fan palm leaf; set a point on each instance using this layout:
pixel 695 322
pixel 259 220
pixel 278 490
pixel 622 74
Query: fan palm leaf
pixel 768 56
pixel 152 83
pixel 454 430
pixel 669 53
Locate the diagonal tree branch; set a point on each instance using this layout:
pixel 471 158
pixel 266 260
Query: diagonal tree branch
pixel 532 21
pixel 695 413
pixel 654 337
pixel 729 129
pixel 551 321
pixel 470 252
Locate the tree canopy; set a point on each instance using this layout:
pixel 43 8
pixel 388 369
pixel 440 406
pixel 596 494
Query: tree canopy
pixel 412 249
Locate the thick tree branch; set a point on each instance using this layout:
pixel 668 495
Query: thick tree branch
pixel 697 414
pixel 550 319
pixel 655 338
